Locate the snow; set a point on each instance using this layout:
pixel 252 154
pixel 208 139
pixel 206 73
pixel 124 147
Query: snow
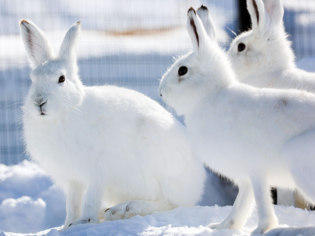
pixel 32 205
pixel 189 221
pixel 29 200
pixel 10 207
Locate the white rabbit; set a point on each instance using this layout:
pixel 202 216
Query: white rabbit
pixel 256 137
pixel 263 56
pixel 103 143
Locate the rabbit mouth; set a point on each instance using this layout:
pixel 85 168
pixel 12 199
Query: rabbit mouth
pixel 42 111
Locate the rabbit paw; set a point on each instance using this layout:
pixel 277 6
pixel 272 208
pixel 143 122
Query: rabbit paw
pixel 223 225
pixel 81 221
pixel 120 211
pixel 261 229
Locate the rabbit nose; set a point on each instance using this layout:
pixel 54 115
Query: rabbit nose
pixel 42 104
pixel 40 101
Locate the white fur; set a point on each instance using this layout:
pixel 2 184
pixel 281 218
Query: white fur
pixel 259 138
pixel 207 21
pixel 268 59
pixel 104 143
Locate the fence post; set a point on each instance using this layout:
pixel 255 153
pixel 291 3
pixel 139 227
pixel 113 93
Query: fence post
pixel 243 16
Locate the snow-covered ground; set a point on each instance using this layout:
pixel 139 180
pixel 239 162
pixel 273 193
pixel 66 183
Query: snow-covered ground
pixel 190 221
pixel 29 200
pixel 31 204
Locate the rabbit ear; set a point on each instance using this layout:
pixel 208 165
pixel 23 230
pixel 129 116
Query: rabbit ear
pixel 275 12
pixel 66 51
pixel 257 13
pixel 196 30
pixel 35 42
pixel 207 21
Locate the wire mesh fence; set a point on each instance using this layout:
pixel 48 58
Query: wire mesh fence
pixel 299 21
pixel 124 43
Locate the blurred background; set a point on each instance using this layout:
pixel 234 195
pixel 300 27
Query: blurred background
pixel 128 43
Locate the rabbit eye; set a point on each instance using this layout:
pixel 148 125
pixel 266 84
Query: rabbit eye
pixel 241 47
pixel 61 79
pixel 182 70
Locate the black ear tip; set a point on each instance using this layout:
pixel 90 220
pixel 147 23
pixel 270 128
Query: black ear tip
pixel 191 9
pixel 24 22
pixel 203 7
